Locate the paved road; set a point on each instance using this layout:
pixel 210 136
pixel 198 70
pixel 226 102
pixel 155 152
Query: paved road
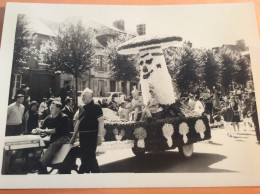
pixel 223 154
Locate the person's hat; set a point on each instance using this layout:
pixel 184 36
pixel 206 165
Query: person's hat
pixel 19 96
pixel 24 86
pixel 68 99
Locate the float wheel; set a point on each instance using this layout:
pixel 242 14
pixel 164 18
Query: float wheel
pixel 139 152
pixel 186 151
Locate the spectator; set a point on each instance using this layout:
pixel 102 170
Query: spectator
pixel 245 111
pixel 253 114
pixel 236 116
pixel 69 111
pixel 113 105
pixel 46 111
pixel 31 117
pixel 24 91
pixel 63 94
pixel 15 113
pixel 49 94
pixel 104 103
pixel 228 117
pixel 57 125
pixel 43 105
pixel 209 108
pixel 199 108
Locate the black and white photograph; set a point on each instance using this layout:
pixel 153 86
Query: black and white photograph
pixel 98 96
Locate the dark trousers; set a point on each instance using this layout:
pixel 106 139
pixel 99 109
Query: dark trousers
pixel 256 124
pixel 53 148
pixel 13 130
pixel 88 146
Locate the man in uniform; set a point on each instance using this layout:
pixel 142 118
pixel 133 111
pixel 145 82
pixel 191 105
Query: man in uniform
pixel 89 122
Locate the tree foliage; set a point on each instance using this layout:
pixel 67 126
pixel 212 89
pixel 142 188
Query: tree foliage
pixel 24 44
pixel 123 67
pixel 243 71
pixel 71 51
pixel 192 67
pixel 210 68
pixel 182 67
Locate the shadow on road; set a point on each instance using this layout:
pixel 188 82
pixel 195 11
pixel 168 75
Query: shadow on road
pixel 166 162
pixel 214 143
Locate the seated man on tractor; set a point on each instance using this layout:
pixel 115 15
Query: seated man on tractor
pixel 57 125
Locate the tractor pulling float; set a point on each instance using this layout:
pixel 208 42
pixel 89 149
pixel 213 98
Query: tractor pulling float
pixel 174 126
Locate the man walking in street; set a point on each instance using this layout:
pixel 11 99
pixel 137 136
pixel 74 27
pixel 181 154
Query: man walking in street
pixel 15 113
pixel 89 123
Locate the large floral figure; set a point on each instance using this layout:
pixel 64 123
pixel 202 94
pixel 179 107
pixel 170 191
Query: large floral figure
pixel 152 65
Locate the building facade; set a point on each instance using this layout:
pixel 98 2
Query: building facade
pixel 39 79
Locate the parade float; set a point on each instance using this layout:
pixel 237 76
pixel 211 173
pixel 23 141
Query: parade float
pixel 175 125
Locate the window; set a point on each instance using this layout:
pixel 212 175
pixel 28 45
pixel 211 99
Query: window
pixel 100 64
pixel 82 85
pixel 17 82
pixel 66 82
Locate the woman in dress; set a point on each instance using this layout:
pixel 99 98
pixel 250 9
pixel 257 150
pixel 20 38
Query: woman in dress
pixel 236 116
pixel 31 117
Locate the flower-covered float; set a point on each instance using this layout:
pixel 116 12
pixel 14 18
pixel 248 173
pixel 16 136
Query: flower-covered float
pixel 175 125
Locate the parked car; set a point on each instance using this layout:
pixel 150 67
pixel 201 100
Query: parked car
pixel 118 96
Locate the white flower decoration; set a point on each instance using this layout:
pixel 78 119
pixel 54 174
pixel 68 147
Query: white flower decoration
pixel 200 128
pixel 118 135
pixel 167 133
pixel 140 134
pixel 183 130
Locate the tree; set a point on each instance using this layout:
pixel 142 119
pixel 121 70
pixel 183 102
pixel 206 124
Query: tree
pixel 24 49
pixel 71 51
pixel 227 68
pixel 123 67
pixel 24 46
pixel 182 67
pixel 242 73
pixel 210 68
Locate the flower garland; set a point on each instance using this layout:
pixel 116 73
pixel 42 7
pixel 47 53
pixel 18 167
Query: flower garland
pixel 183 130
pixel 140 134
pixel 168 131
pixel 142 41
pixel 200 128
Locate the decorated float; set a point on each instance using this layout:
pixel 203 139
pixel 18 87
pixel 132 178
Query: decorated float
pixel 175 125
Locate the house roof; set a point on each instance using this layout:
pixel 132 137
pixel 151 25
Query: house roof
pixel 50 28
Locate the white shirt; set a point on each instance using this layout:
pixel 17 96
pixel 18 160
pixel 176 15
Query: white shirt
pixel 199 108
pixel 43 106
pixel 191 103
pixel 15 114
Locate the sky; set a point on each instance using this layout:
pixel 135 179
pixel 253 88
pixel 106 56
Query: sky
pixel 205 26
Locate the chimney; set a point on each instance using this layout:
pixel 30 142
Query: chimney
pixel 119 24
pixel 241 44
pixel 141 29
